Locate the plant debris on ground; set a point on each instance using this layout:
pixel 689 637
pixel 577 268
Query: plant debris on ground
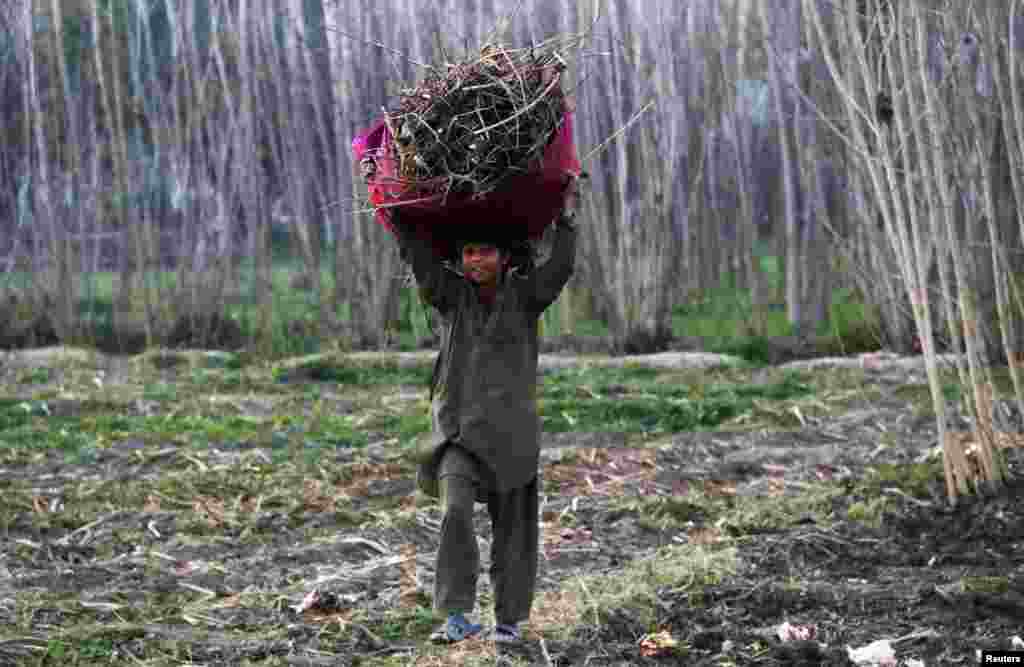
pixel 197 510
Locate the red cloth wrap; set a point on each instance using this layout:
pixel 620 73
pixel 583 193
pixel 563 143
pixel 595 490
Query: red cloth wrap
pixel 520 209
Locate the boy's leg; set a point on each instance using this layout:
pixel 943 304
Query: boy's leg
pixel 514 552
pixel 458 557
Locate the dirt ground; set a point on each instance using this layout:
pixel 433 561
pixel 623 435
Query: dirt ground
pixel 725 535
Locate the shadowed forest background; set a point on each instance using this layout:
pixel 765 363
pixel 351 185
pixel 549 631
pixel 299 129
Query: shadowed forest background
pixel 180 173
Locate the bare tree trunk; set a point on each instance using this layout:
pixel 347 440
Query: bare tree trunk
pixel 251 186
pixel 348 258
pixel 1007 77
pixel 299 159
pixel 327 184
pixel 794 260
pixel 114 125
pixel 181 128
pixel 60 255
pixel 41 206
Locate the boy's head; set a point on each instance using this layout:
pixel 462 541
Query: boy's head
pixel 484 262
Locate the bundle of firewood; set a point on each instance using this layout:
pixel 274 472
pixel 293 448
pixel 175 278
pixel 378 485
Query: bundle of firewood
pixel 468 126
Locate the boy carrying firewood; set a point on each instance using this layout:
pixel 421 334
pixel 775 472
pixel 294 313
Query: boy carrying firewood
pixel 485 443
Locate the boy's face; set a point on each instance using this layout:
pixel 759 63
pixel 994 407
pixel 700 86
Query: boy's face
pixel 483 263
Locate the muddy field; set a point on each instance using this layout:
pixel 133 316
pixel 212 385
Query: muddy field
pixel 133 534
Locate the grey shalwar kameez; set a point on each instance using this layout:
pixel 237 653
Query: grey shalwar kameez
pixel 485 441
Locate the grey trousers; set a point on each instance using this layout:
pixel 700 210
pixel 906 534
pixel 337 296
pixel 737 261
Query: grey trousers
pixel 514 517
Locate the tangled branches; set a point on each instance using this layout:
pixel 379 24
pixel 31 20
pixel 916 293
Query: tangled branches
pixel 465 128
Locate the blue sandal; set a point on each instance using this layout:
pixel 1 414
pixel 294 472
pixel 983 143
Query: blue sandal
pixel 506 634
pixel 455 629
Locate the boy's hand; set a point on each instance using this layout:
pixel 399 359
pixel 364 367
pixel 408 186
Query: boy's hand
pixel 571 200
pixel 368 168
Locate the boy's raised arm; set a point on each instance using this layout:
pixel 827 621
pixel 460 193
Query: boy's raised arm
pixel 551 277
pixel 436 282
pixel 548 280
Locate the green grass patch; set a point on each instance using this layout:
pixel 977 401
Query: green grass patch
pixel 863 501
pixel 40 432
pixel 406 426
pixel 404 625
pixel 989 585
pixel 28 425
pixel 867 499
pixel 84 652
pixel 336 430
pixel 636 401
pixel 736 515
pixel 15 413
pixel 625 400
pixel 921 394
pixel 160 391
pixel 24 426
pixel 37 375
pixel 196 360
pixel 723 317
pixel 226 381
pixel 337 369
pixel 913 478
pixel 852 326
pixel 720 315
pixel 869 511
pixel 754 349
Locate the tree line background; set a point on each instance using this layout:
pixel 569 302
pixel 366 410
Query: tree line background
pixel 169 160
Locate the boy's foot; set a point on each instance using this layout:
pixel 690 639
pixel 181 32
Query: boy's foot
pixel 455 629
pixel 506 633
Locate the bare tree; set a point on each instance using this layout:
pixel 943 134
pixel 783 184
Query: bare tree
pixel 782 53
pixel 926 174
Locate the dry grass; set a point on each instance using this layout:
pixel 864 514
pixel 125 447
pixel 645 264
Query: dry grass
pixel 677 567
pixel 469 652
pixel 555 613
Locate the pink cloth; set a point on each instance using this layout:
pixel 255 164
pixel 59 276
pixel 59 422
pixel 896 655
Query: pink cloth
pixel 522 208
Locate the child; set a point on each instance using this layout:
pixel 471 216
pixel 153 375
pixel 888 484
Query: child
pixel 485 443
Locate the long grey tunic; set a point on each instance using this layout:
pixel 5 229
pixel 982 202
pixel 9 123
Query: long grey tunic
pixel 485 389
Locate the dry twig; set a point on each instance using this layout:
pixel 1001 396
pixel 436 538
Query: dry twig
pixel 376 546
pixel 544 651
pixel 87 528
